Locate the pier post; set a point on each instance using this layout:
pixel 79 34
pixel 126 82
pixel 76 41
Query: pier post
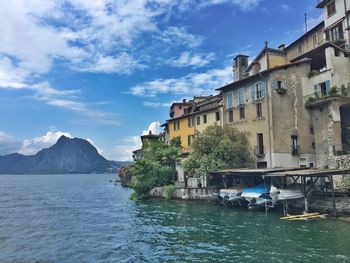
pixel 334 213
pixel 306 195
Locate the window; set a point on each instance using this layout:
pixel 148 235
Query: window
pixel 258 110
pixel 300 49
pixel 204 118
pixel 295 147
pixel 217 116
pixel 279 84
pixel 241 113
pixel 190 122
pixel 241 96
pixel 314 40
pixel 177 125
pixel 260 146
pixel 180 107
pixel 189 140
pixel 322 89
pixel 230 116
pixel 198 120
pixel 335 33
pixel 331 8
pixel 229 100
pixel 258 91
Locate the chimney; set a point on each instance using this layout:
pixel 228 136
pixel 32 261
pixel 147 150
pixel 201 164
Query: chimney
pixel 282 47
pixel 150 132
pixel 184 101
pixel 239 67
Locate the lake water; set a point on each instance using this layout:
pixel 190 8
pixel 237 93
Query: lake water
pixel 85 218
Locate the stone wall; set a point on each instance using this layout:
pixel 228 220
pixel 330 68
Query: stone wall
pixel 201 194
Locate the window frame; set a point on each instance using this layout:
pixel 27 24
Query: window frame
pixel 333 10
pixel 230 115
pixel 242 113
pixel 259 110
pixel 217 116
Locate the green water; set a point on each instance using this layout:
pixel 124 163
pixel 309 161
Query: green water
pixel 85 218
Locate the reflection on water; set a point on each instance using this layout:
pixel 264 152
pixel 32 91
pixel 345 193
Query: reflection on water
pixel 84 218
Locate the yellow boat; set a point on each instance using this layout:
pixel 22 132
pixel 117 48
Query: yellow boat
pixel 321 216
pixel 300 216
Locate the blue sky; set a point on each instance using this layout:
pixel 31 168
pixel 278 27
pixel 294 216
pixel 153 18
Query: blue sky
pixel 106 70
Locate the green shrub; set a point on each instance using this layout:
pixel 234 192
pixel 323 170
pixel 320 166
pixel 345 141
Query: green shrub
pixel 333 91
pixel 168 191
pixel 344 90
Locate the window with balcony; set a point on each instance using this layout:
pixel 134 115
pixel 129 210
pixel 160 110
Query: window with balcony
pixel 322 89
pixel 335 33
pixel 331 8
pixel 230 116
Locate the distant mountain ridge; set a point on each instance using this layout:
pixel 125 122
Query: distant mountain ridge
pixel 66 156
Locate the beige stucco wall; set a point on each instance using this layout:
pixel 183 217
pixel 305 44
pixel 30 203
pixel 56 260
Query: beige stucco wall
pixel 306 42
pixel 211 119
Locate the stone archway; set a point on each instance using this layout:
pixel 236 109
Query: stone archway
pixel 345 127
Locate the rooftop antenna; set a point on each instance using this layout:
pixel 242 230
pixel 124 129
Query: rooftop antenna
pixel 305 23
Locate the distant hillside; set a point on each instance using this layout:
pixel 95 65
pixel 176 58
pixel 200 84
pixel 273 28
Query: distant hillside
pixel 66 156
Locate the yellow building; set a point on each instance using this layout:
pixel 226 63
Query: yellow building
pixel 184 128
pixel 203 112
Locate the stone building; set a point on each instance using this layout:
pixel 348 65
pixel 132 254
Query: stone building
pixel 269 105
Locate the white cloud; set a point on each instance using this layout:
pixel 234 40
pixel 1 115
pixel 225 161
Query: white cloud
pixel 314 21
pixel 191 84
pixel 68 100
pixel 245 5
pixel 153 127
pixel 32 146
pixel 179 36
pixel 187 59
pixel 156 104
pixel 8 144
pixel 123 152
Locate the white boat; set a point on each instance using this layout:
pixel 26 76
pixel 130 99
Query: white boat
pixel 288 193
pixel 257 195
pixel 231 194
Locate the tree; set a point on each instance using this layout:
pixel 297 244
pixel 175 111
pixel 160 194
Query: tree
pixel 218 148
pixel 154 168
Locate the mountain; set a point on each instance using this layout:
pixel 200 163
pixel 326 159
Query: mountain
pixel 66 156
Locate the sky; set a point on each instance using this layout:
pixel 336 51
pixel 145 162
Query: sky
pixel 107 71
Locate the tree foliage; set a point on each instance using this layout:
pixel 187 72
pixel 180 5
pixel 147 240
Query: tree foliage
pixel 154 168
pixel 218 148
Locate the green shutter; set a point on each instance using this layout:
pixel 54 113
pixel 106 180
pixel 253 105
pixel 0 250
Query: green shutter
pixel 328 87
pixel 263 89
pixel 253 92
